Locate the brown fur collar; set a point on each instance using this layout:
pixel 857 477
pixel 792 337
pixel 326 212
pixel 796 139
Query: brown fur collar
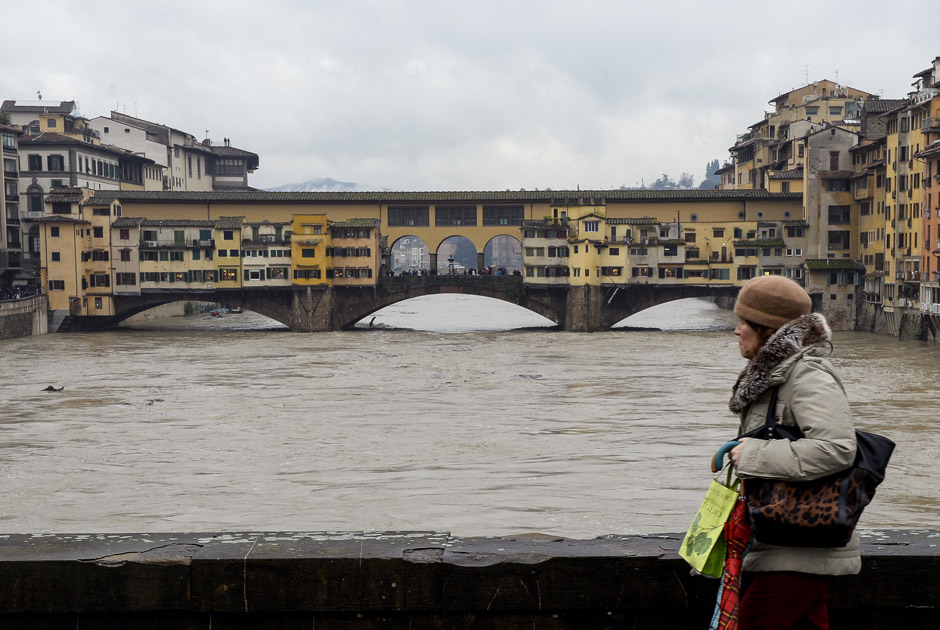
pixel 789 339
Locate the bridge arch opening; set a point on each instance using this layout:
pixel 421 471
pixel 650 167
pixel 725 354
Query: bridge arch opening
pixel 198 315
pixel 457 255
pixel 454 313
pixel 409 254
pixel 503 252
pixel 683 314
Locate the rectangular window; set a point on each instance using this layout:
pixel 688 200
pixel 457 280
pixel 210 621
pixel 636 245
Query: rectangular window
pixel 503 215
pixel 592 226
pixel 406 216
pixel 56 162
pixel 148 255
pixel 164 255
pixel 57 285
pixel 233 253
pixel 455 215
pixel 54 231
pixel 125 255
pixel 34 162
pixel 125 279
pixel 98 232
pixel 176 255
pixel 56 257
pixel 228 275
pixel 308 252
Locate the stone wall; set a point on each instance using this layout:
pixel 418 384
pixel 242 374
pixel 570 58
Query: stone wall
pixel 414 580
pixel 24 317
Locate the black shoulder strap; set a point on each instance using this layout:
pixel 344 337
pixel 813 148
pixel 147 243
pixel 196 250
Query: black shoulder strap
pixel 772 408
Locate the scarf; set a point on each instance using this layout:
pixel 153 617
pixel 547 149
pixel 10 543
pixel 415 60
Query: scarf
pixel 787 341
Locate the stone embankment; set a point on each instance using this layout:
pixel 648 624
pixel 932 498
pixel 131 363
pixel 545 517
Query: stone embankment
pixel 414 580
pixel 24 317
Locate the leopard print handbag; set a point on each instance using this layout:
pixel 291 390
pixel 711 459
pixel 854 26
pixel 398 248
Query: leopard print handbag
pixel 818 513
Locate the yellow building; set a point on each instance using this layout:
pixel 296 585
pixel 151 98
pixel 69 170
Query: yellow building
pixel 356 252
pixel 310 250
pixel 227 233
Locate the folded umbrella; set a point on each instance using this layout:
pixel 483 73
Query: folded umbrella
pixel 737 539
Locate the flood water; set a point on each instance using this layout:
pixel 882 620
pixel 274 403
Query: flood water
pixel 233 424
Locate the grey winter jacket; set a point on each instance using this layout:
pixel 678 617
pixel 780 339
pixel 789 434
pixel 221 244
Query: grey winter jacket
pixel 812 397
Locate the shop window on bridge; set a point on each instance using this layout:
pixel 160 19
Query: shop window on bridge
pixel 228 275
pixel 254 274
pixel 149 276
pixel 148 256
pixel 670 272
pixel 642 272
pixel 176 256
pixel 406 216
pixel 503 215
pixel 166 276
pixel 180 276
pixel 719 274
pixel 746 272
pixel 695 273
pixel 277 273
pixel 125 279
pixel 455 215
pixel 196 275
pixel 612 271
pixel 307 274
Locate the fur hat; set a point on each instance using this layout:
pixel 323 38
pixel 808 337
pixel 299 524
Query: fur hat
pixel 771 301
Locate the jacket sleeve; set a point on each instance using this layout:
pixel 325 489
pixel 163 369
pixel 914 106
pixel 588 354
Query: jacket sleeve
pixel 821 410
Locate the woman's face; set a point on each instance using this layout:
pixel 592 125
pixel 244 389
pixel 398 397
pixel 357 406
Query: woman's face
pixel 749 339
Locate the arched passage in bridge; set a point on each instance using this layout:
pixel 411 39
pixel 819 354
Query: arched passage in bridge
pixel 503 252
pixel 701 313
pixel 409 253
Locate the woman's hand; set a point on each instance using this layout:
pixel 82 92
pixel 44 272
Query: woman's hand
pixel 735 454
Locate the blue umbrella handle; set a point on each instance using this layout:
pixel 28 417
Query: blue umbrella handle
pixel 718 460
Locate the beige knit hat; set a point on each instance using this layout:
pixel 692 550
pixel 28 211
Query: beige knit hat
pixel 772 301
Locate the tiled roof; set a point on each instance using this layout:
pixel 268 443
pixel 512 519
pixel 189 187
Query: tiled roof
pixel 836 174
pixel 127 222
pixel 881 105
pixel 817 264
pixel 354 223
pixel 177 223
pixel 759 242
pixel 442 196
pixel 796 223
pixel 39 107
pixel 796 173
pixel 229 223
pixel 60 218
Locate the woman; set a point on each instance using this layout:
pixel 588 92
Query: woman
pixel 785 346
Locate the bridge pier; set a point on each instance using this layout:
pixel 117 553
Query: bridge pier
pixel 311 310
pixel 584 306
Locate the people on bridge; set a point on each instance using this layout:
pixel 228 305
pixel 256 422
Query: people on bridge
pixel 785 346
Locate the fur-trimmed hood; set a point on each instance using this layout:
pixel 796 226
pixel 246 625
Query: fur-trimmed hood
pixel 791 338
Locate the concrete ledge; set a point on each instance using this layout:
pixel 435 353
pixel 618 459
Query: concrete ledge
pixel 414 579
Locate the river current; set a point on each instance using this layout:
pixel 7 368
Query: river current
pixel 231 424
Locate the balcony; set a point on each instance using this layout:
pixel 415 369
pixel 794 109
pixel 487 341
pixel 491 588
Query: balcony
pixel 930 124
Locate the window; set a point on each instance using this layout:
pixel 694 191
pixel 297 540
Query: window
pixel 124 234
pixel 228 275
pixel 592 226
pixel 164 255
pixel 148 256
pixel 690 237
pixel 98 231
pixel 402 216
pixel 125 279
pixel 455 215
pixel 56 257
pixel 57 285
pixel 100 280
pixel 503 215
pixel 35 162
pixel 228 235
pixel 718 232
pixel 54 231
pixel 55 162
pixel 308 252
pixel 785 187
pixel 125 255
pixel 614 251
pixel 176 255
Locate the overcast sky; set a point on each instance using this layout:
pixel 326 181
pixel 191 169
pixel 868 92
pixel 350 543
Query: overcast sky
pixel 459 95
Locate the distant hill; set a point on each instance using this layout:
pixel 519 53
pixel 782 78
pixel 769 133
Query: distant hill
pixel 325 184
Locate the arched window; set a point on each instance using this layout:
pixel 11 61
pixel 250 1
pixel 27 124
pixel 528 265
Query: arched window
pixel 34 198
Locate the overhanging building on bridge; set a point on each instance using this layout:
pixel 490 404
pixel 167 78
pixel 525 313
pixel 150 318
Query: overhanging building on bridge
pixel 101 245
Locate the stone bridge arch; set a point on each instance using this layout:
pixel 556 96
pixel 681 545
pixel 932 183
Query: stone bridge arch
pixel 351 304
pixel 611 304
